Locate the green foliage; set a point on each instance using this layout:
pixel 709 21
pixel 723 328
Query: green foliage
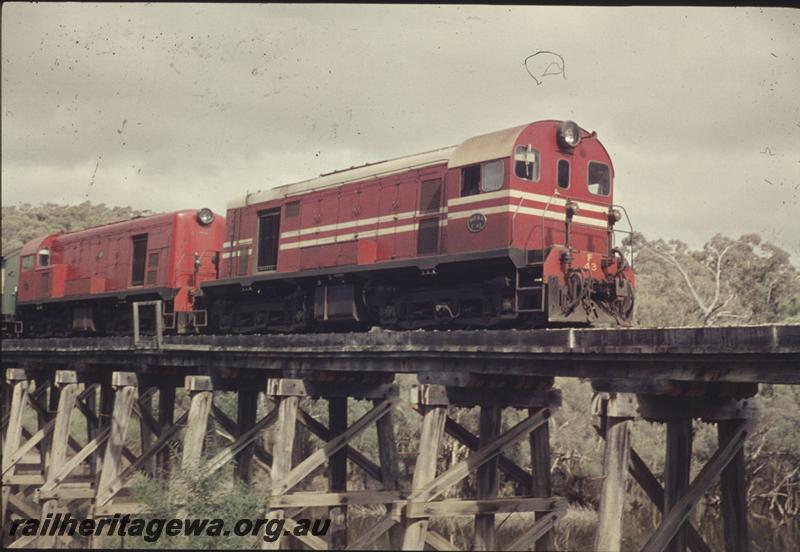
pixel 22 223
pixel 575 530
pixel 192 494
pixel 576 448
pixel 773 453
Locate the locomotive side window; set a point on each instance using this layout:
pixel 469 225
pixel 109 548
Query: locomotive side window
pixel 428 236
pixel 470 180
pixel 563 173
pixel 44 258
pixel 599 178
pixel 493 175
pixel 152 269
pixel 268 234
pixel 292 209
pixel 27 262
pixel 430 197
pixel 138 260
pixel 526 163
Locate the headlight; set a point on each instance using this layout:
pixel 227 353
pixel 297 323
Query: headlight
pixel 568 135
pixel 205 216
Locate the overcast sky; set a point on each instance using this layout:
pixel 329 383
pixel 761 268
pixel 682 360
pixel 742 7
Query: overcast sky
pixel 187 105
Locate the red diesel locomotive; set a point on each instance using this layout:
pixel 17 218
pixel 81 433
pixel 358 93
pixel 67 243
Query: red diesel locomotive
pixel 85 282
pixel 513 228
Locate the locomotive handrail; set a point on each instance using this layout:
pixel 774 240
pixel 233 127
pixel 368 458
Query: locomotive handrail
pixel 178 271
pixel 544 211
pixel 546 207
pixel 629 232
pixel 513 220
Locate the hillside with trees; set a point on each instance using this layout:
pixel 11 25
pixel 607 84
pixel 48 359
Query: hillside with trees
pixel 22 223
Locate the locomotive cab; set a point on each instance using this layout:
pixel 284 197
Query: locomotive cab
pixel 587 278
pixel 545 192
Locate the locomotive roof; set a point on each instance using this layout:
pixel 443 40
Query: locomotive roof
pixel 473 150
pixel 91 232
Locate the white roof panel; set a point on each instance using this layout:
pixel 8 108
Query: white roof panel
pixel 485 147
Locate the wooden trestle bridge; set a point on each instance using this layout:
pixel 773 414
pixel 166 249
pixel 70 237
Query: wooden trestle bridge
pixel 665 375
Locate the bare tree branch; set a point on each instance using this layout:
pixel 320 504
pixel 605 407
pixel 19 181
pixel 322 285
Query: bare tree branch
pixel 730 315
pixel 717 311
pixel 717 281
pixel 670 259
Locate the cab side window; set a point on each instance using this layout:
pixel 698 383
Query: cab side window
pixel 470 180
pixel 493 176
pixel 486 177
pixel 599 178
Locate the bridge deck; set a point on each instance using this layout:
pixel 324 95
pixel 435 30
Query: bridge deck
pixel 767 354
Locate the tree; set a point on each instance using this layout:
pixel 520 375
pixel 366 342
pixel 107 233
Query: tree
pixel 727 281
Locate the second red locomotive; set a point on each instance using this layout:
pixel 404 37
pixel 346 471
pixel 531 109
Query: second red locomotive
pixel 512 228
pixel 85 282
